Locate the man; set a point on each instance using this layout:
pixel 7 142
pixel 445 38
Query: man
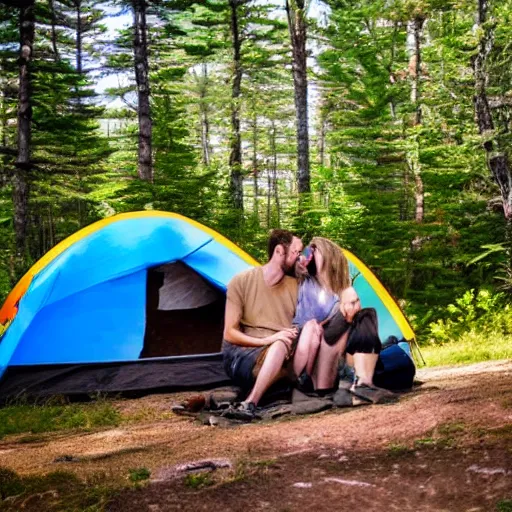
pixel 258 333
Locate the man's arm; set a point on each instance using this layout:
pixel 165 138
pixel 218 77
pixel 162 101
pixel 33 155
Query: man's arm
pixel 234 335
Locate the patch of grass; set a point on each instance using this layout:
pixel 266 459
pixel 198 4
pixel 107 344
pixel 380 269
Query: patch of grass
pixel 504 432
pixel 139 474
pixel 144 413
pixel 472 347
pixel 198 480
pixel 10 483
pixel 399 450
pixel 443 436
pixel 425 441
pixel 50 417
pixel 448 429
pixel 58 490
pixel 504 506
pixel 241 471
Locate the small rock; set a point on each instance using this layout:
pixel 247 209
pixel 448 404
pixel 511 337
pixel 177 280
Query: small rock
pixel 178 470
pixel 218 421
pixel 66 458
pixel 354 483
pixel 303 485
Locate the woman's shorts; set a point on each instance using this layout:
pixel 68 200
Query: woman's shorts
pixel 363 337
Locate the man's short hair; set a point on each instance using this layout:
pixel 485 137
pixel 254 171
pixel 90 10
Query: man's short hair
pixel 279 237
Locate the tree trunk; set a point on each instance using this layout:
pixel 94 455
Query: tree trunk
pixel 497 159
pixel 140 51
pixel 275 188
pixel 255 169
pixel 404 205
pixel 297 26
pixel 321 142
pixel 78 5
pixel 414 29
pixel 235 156
pixel 79 70
pixel 205 122
pixel 414 36
pixel 269 193
pixel 20 178
pixel 54 31
pixel 392 78
pixel 4 175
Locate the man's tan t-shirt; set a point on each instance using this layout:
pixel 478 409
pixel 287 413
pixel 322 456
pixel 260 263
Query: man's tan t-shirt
pixel 265 309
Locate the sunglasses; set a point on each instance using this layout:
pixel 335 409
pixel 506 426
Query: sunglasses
pixel 307 253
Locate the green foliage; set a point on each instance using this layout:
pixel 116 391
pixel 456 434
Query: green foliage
pixel 470 347
pixel 504 506
pixel 16 419
pixel 198 480
pixel 477 327
pixel 480 312
pixel 368 154
pixel 139 474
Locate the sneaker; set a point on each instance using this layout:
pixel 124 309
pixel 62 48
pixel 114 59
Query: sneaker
pixel 244 411
pixel 304 383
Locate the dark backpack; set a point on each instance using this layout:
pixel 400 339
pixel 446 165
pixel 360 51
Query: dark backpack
pixel 395 368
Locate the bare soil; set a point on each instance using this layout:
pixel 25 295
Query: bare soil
pixel 447 445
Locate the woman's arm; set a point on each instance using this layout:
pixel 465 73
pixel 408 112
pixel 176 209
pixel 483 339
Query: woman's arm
pixel 349 303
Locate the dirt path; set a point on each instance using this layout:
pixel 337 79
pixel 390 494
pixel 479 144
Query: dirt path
pixel 445 446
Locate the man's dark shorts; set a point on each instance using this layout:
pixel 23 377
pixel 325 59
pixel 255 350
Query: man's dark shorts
pixel 241 363
pixel 363 337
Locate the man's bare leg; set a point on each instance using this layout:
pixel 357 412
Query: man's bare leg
pixel 269 371
pixel 326 368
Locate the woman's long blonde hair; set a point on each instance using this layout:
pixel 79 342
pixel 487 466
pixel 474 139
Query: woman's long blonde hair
pixel 335 265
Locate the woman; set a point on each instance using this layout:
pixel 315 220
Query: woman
pixel 332 321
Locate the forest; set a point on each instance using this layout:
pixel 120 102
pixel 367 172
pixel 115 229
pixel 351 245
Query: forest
pixel 384 125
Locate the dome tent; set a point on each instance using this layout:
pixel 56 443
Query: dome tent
pixel 131 303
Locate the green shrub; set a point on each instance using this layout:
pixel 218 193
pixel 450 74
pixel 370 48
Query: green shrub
pixel 480 312
pixel 139 474
pixel 198 480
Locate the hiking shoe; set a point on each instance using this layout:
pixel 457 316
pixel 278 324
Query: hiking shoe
pixel 374 394
pixel 244 411
pixel 304 383
pixel 342 398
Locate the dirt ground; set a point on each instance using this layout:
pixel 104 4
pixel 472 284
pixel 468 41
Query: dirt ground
pixel 445 446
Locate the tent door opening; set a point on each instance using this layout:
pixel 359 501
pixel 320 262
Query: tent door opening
pixel 184 313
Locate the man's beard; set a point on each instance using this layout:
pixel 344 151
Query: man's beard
pixel 288 270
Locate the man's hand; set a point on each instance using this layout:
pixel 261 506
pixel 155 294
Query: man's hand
pixel 287 336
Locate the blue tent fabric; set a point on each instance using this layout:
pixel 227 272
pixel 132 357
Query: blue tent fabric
pixel 88 304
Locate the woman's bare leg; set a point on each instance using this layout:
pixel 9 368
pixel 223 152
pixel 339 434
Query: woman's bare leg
pixel 314 346
pixel 364 367
pixel 326 368
pixel 309 338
